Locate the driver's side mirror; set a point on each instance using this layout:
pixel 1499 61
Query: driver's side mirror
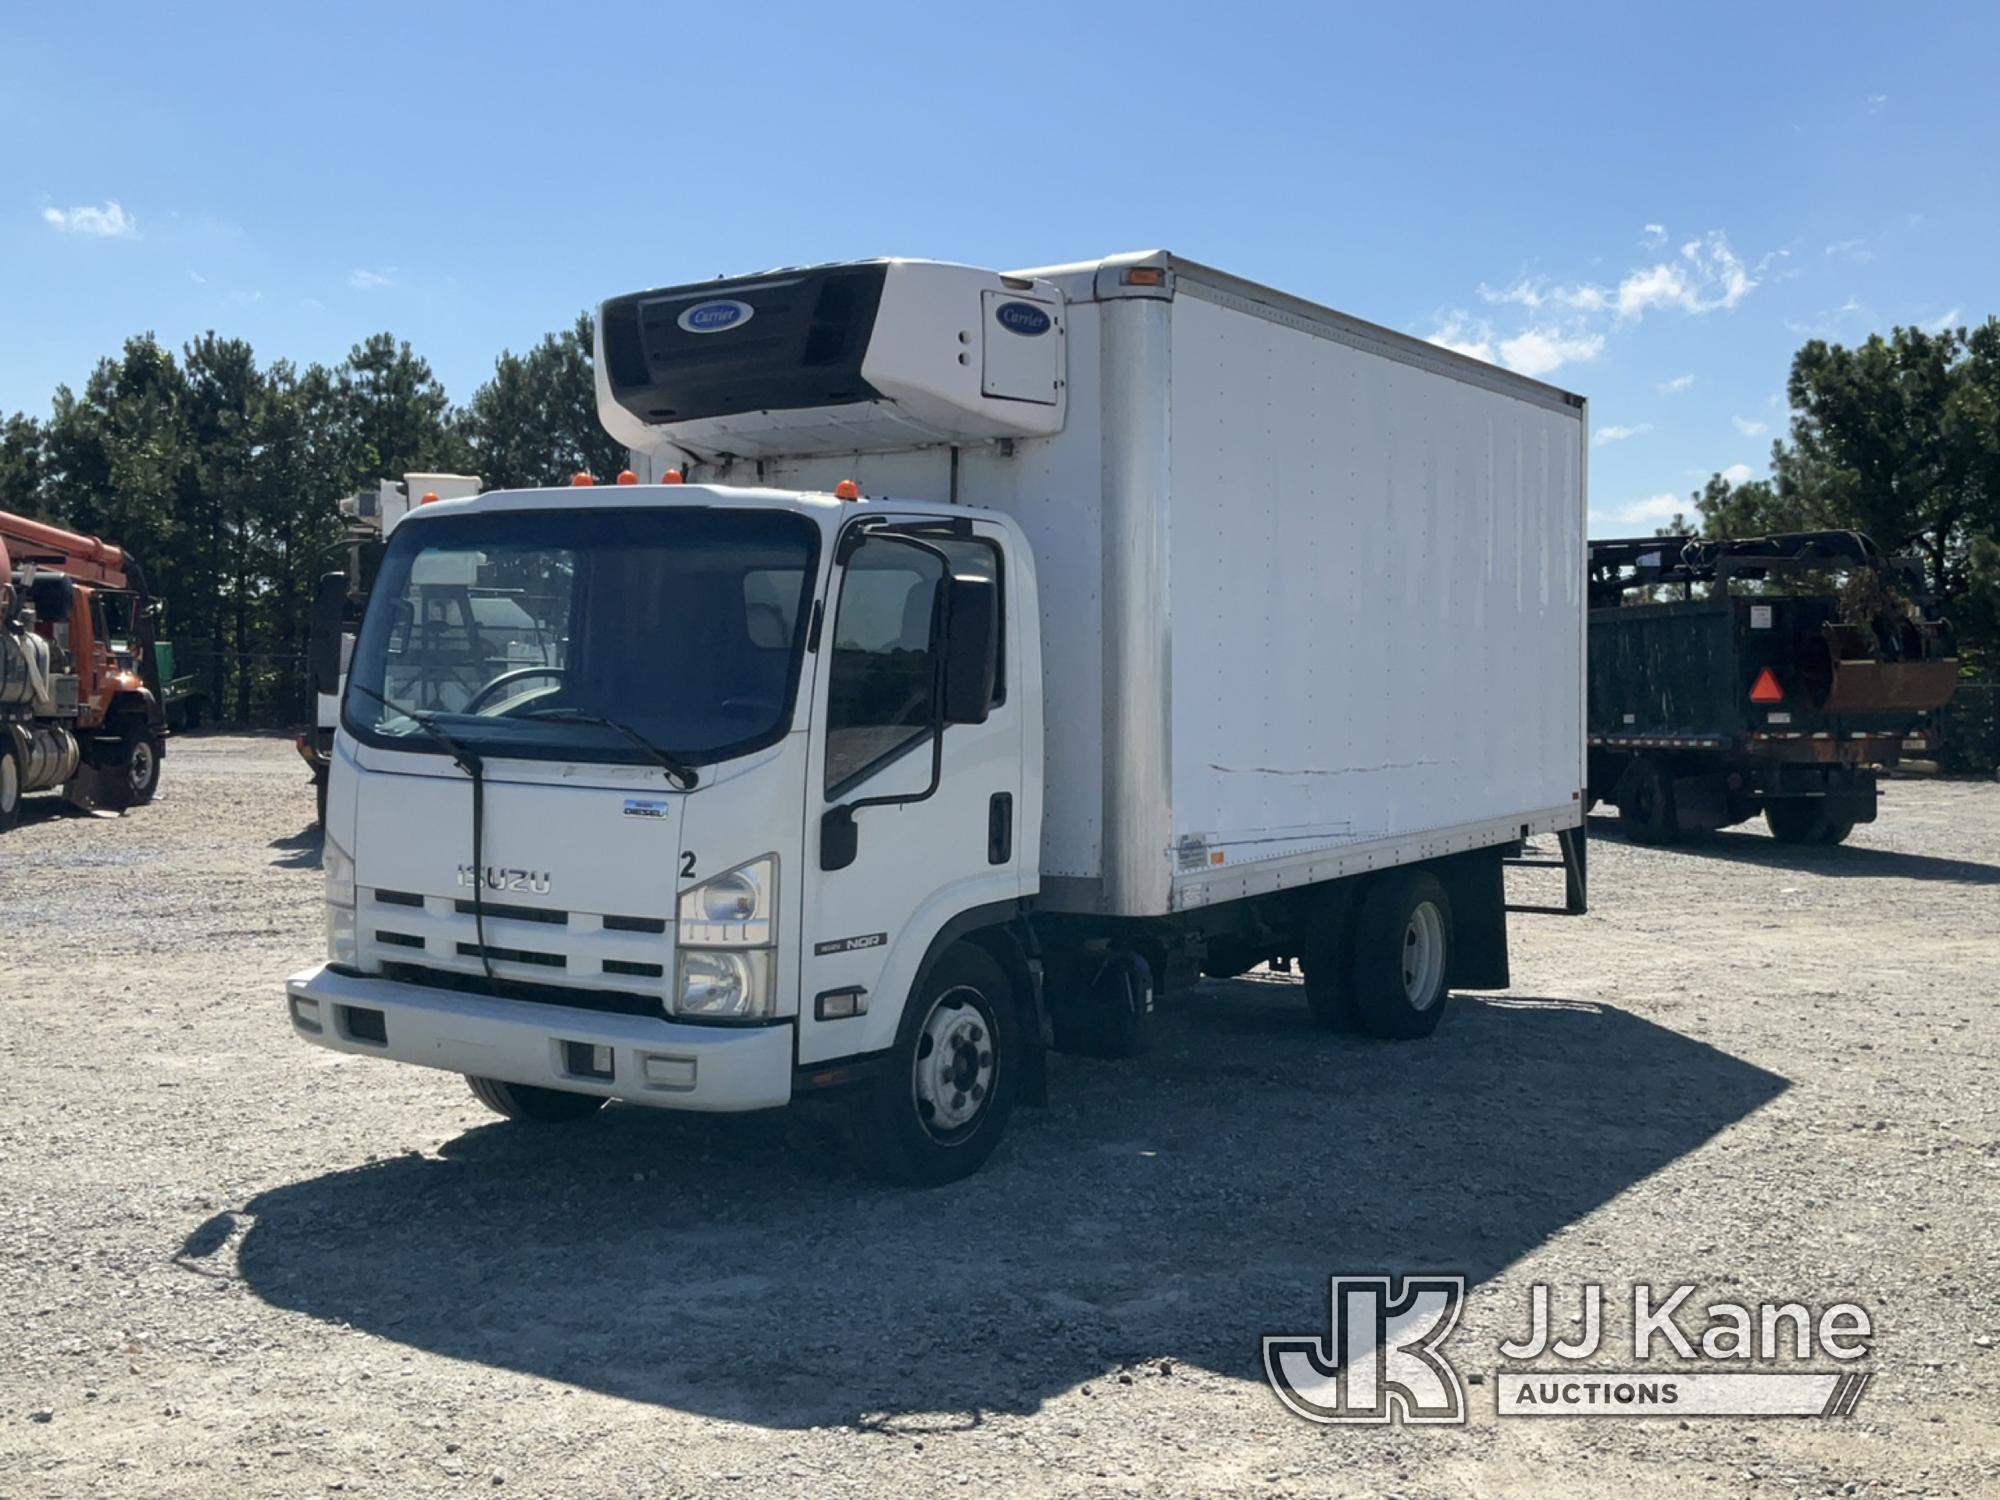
pixel 971 648
pixel 329 609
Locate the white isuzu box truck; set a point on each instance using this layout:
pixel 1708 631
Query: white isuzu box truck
pixel 977 655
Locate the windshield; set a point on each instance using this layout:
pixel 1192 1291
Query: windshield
pixel 684 626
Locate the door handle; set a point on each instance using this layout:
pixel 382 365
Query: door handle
pixel 1000 828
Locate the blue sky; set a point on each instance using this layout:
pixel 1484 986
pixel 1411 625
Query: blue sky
pixel 1653 207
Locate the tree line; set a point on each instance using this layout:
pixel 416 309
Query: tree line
pixel 223 477
pixel 1898 438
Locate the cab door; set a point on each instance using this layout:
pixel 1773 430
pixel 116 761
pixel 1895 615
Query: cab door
pixel 939 850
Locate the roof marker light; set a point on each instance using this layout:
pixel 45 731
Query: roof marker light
pixel 1145 276
pixel 1765 689
pixel 582 481
pixel 626 476
pixel 672 476
pixel 430 498
pixel 847 489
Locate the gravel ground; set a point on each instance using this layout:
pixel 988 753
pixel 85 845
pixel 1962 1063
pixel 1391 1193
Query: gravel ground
pixel 230 1263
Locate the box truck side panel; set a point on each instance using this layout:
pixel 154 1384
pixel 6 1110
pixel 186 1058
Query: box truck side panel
pixel 1377 574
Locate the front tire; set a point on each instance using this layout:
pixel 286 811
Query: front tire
pixel 1646 804
pixel 10 787
pixel 138 767
pixel 524 1101
pixel 1805 820
pixel 1402 949
pixel 939 1107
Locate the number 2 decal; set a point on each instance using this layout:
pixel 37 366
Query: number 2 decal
pixel 687 864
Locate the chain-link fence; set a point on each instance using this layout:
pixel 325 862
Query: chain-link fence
pixel 1969 730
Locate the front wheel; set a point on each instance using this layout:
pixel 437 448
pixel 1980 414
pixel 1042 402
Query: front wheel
pixel 138 767
pixel 524 1101
pixel 1401 944
pixel 10 787
pixel 1805 820
pixel 939 1107
pixel 1646 804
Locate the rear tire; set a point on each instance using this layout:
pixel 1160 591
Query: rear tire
pixel 1646 804
pixel 1805 820
pixel 524 1101
pixel 938 1109
pixel 10 787
pixel 1402 951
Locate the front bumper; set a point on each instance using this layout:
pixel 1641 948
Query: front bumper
pixel 655 1063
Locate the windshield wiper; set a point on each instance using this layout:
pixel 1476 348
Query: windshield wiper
pixel 672 764
pixel 468 761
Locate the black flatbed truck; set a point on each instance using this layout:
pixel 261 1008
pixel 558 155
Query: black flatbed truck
pixel 1778 675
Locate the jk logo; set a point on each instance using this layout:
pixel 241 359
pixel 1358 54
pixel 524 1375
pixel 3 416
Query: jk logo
pixel 1379 1361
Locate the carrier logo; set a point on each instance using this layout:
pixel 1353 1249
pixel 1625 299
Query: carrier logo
pixel 716 317
pixel 508 879
pixel 1379 1360
pixel 1023 318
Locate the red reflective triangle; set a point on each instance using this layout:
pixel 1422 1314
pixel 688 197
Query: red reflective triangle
pixel 1766 689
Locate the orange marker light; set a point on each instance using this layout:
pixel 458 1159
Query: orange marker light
pixel 1766 689
pixel 672 476
pixel 626 476
pixel 430 498
pixel 582 481
pixel 847 489
pixel 1145 276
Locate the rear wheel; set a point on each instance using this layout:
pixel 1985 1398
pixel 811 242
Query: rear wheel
pixel 1805 820
pixel 938 1109
pixel 10 787
pixel 1646 804
pixel 524 1101
pixel 1402 944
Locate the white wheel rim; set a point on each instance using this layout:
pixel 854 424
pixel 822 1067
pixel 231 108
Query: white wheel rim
pixel 10 783
pixel 1423 956
pixel 951 1079
pixel 140 768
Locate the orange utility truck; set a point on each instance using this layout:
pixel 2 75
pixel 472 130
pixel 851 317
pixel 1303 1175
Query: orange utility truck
pixel 80 707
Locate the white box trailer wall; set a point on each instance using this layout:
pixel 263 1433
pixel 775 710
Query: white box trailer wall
pixel 1311 591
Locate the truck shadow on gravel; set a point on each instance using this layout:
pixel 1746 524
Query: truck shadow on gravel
pixel 1841 860
pixel 1161 1214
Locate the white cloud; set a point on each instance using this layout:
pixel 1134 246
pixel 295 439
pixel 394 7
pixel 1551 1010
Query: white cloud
pixel 1737 473
pixel 1748 428
pixel 1944 320
pixel 1617 434
pixel 1675 386
pixel 1708 275
pixel 1464 334
pixel 107 221
pixel 1654 510
pixel 197 278
pixel 1854 250
pixel 1543 351
pixel 1875 103
pixel 368 281
pixel 1829 322
pixel 1656 236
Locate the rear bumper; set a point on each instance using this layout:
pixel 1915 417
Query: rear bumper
pixel 654 1063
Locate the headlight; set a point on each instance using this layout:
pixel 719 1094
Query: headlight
pixel 339 866
pixel 341 946
pixel 736 909
pixel 724 983
pixel 724 933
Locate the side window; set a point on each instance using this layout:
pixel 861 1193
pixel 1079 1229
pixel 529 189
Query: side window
pixel 771 606
pixel 883 671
